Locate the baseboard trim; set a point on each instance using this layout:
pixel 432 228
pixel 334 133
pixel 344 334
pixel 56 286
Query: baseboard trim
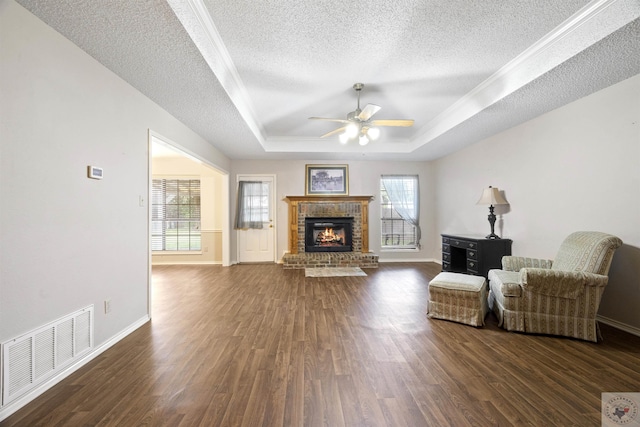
pixel 22 401
pixel 619 325
pixel 187 263
pixel 380 260
pixel 392 260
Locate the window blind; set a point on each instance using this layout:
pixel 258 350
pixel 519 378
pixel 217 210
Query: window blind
pixel 175 215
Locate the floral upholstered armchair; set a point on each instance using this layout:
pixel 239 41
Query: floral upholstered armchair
pixel 559 297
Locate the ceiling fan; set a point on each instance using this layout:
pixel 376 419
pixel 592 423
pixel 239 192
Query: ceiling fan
pixel 358 123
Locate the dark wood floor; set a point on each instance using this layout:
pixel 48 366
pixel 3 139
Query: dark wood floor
pixel 258 345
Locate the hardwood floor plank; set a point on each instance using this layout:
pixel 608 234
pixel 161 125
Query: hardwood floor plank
pixel 314 407
pixel 256 403
pixel 332 405
pixel 294 407
pixel 351 409
pixel 216 409
pixel 366 392
pixel 259 345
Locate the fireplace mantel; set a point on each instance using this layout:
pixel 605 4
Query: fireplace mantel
pixel 325 199
pixel 295 203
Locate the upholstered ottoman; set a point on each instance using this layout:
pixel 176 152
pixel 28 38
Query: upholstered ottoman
pixel 458 297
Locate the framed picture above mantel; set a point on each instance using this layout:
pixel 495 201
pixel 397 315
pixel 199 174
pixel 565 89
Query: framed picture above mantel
pixel 327 180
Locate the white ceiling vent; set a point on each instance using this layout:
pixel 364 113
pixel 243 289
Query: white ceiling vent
pixel 34 357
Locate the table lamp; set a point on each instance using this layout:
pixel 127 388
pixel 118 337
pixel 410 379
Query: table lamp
pixel 491 196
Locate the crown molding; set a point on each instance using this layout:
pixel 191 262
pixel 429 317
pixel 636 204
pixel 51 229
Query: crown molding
pixel 196 20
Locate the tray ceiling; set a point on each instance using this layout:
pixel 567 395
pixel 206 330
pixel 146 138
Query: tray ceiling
pixel 247 75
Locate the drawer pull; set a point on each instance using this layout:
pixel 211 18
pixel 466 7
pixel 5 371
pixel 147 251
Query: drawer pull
pixel 471 254
pixel 471 245
pixel 471 264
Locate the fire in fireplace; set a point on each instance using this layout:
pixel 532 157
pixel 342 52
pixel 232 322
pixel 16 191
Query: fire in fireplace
pixel 328 234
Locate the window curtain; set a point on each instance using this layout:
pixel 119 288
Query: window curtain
pixel 403 192
pixel 249 210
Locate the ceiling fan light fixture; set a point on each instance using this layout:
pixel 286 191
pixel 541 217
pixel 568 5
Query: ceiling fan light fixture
pixel 352 130
pixel 359 123
pixel 373 133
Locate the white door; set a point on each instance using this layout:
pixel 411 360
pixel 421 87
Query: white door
pixel 258 244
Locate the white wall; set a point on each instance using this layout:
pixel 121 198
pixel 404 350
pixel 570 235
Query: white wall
pixel 575 168
pixel 211 209
pixel 69 241
pixel 364 180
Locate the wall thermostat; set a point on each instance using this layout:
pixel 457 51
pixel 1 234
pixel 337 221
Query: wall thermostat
pixel 94 172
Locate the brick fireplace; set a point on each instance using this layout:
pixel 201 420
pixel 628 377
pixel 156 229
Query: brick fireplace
pixel 318 207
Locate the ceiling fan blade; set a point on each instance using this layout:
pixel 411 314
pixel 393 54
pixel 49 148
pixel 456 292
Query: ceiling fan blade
pixel 333 132
pixel 329 120
pixel 400 123
pixel 368 111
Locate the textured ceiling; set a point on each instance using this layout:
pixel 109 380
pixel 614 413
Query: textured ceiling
pixel 246 75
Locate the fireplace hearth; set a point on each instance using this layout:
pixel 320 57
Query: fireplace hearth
pixel 328 234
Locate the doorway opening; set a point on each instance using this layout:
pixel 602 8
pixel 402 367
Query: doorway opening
pixel 171 163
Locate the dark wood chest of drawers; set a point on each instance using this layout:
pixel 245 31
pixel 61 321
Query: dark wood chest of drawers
pixel 473 255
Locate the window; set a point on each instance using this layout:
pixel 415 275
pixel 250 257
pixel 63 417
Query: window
pixel 399 212
pixel 253 204
pixel 175 215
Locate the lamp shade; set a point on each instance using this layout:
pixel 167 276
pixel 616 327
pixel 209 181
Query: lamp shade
pixel 491 196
